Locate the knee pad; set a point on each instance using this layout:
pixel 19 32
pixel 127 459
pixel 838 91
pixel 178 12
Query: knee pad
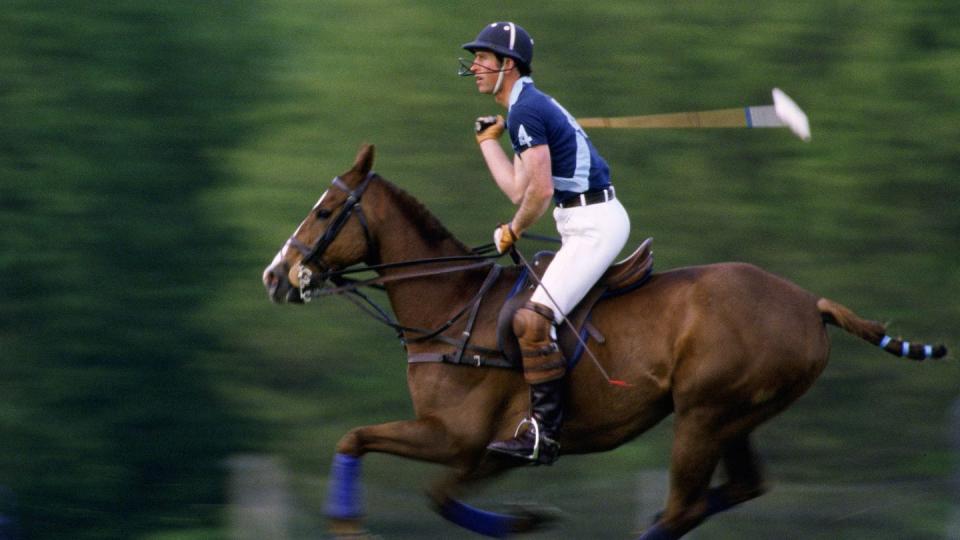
pixel 533 323
pixel 542 360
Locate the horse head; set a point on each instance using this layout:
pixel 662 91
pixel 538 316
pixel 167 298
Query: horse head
pixel 334 235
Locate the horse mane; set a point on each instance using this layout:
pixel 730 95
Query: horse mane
pixel 428 226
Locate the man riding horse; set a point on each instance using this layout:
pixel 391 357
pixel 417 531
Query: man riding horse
pixel 722 347
pixel 553 158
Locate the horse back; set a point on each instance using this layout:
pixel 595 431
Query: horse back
pixel 694 336
pixel 734 311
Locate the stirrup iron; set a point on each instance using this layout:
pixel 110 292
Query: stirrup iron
pixel 536 436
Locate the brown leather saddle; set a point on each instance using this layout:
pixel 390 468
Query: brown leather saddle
pixel 624 276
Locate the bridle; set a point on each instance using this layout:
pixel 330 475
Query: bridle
pixel 351 203
pixel 312 254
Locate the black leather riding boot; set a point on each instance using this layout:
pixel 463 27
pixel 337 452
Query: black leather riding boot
pixel 536 437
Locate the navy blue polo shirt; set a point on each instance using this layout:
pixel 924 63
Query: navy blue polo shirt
pixel 534 118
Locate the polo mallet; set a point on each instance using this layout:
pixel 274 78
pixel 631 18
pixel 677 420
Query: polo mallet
pixel 514 252
pixel 783 113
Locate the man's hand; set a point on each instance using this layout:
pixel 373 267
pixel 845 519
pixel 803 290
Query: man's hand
pixel 504 237
pixel 488 128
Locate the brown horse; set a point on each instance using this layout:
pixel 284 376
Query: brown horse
pixel 723 347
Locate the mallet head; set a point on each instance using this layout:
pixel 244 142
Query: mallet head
pixel 791 114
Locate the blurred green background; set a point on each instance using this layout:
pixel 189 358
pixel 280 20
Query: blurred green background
pixel 154 156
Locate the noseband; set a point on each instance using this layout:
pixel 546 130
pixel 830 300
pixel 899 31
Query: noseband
pixel 312 255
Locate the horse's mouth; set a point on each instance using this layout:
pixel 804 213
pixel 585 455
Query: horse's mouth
pixel 286 285
pixel 281 292
pixel 279 288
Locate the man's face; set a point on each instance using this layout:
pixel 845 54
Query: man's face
pixel 486 69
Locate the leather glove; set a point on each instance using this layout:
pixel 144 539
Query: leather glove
pixel 488 128
pixel 504 237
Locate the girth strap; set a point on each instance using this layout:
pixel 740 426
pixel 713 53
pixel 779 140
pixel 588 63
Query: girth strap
pixel 474 360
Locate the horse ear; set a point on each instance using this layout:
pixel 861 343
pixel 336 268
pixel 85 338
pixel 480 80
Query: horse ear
pixel 364 161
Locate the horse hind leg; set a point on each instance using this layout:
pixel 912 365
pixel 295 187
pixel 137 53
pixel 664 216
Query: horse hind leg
pixel 745 477
pixel 701 442
pixel 697 450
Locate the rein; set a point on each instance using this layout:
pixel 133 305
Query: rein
pixel 350 288
pixel 312 286
pixel 347 286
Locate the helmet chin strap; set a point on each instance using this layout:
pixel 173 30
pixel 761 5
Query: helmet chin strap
pixel 499 85
pixel 496 87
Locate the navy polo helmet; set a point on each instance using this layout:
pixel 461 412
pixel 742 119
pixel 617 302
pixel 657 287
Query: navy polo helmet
pixel 506 39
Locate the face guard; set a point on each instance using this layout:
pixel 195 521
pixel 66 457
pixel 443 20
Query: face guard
pixel 466 71
pixel 466 65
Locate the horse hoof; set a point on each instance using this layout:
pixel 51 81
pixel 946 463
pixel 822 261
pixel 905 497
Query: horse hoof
pixel 349 529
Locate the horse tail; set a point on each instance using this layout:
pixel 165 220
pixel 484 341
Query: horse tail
pixel 875 332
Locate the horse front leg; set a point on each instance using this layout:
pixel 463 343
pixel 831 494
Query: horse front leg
pixel 424 439
pixel 427 440
pixel 444 494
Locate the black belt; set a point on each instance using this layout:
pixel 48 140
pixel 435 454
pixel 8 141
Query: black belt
pixel 589 197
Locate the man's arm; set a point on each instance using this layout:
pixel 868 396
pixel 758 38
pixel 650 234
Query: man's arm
pixel 505 173
pixel 534 175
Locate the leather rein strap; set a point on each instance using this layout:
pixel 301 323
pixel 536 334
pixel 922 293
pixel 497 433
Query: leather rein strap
pixel 479 356
pixel 346 285
pixel 310 289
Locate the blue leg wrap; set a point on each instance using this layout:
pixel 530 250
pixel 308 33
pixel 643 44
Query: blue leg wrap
pixel 344 497
pixel 479 521
pixel 657 532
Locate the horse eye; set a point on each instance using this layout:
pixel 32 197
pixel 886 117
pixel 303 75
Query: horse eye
pixel 323 213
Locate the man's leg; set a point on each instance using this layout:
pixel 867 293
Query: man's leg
pixel 543 368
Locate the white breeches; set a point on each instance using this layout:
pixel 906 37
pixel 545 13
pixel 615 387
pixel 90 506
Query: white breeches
pixel 593 236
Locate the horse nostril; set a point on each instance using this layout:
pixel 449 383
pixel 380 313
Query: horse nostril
pixel 272 276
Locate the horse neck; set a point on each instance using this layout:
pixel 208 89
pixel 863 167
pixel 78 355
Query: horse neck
pixel 409 232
